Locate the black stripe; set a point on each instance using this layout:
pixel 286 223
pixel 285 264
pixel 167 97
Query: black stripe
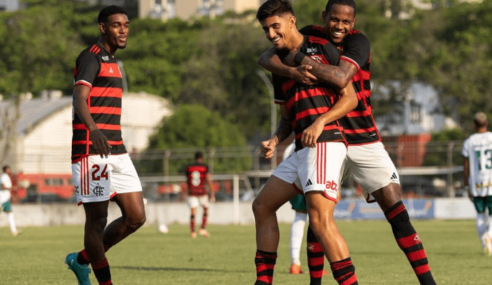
pixel 265 261
pixel 108 82
pixel 360 138
pixel 261 283
pixel 419 262
pixel 267 272
pixel 326 136
pixel 79 135
pixel 306 122
pixel 413 248
pixel 357 123
pixel 357 87
pixel 316 268
pixel 101 119
pixel 312 103
pixel 343 271
pixel 112 135
pixel 315 254
pixel 105 102
pixel 367 84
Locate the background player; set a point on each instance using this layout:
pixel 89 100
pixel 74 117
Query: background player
pixel 367 160
pixel 101 167
pixel 198 176
pixel 304 110
pixel 5 195
pixel 477 150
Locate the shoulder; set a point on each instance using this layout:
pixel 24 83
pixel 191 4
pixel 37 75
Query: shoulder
pixel 92 53
pixel 313 30
pixel 356 35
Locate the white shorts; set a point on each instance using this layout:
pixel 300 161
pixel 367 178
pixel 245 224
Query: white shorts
pixel 371 167
pixel 316 169
pixel 195 201
pixel 98 179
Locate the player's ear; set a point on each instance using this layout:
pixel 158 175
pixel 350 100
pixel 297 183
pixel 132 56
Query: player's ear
pixel 102 28
pixel 292 21
pixel 323 17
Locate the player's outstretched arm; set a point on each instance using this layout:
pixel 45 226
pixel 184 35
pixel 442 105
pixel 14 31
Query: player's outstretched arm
pixel 346 103
pixel 99 141
pixel 283 131
pixel 271 62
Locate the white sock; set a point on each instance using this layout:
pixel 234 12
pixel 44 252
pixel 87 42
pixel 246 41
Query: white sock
pixel 296 235
pixel 481 226
pixel 13 229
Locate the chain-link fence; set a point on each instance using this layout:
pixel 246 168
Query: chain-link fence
pixel 427 169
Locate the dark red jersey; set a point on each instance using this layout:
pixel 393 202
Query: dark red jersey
pixel 196 174
pixel 305 103
pixel 359 125
pixel 98 70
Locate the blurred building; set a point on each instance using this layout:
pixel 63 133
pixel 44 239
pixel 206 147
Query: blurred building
pixel 419 111
pixel 9 5
pixel 44 130
pixel 185 9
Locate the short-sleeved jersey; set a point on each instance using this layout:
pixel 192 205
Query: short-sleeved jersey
pixel 305 103
pixel 98 70
pixel 359 125
pixel 6 182
pixel 478 149
pixel 196 176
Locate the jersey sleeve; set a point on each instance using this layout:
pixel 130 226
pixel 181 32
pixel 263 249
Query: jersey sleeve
pixel 356 50
pixel 86 69
pixel 331 53
pixel 278 94
pixel 465 151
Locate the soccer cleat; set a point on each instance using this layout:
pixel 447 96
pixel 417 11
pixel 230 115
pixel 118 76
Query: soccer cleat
pixel 193 235
pixel 17 233
pixel 203 232
pixel 487 242
pixel 296 269
pixel 81 271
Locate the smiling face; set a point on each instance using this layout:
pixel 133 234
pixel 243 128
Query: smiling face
pixel 339 22
pixel 115 31
pixel 279 30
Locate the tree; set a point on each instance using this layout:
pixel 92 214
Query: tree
pixel 196 127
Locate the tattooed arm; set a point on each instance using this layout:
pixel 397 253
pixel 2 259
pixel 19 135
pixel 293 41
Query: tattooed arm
pixel 283 131
pixel 337 76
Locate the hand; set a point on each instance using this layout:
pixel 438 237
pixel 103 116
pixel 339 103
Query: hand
pixel 303 76
pixel 311 134
pixel 268 148
pixel 100 143
pixel 212 198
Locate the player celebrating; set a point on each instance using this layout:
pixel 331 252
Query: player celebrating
pixel 477 151
pixel 367 160
pixel 5 194
pixel 101 167
pixel 320 148
pixel 197 175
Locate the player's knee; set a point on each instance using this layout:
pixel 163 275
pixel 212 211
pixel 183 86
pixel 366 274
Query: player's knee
pixel 260 208
pixel 96 224
pixel 135 222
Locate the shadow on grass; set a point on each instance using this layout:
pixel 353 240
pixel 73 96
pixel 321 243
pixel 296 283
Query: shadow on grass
pixel 175 269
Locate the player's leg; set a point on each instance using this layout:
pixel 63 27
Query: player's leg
pixel 320 177
pixel 7 208
pixel 481 222
pixel 297 233
pixel 204 203
pixel 192 204
pixel 488 235
pixel 274 194
pixel 373 169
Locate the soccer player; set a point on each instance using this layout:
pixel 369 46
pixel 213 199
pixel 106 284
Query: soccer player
pixel 477 151
pixel 197 176
pixel 320 148
pixel 101 167
pixel 5 194
pixel 367 160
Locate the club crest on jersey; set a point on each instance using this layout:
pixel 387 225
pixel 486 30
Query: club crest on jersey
pixel 111 70
pixel 105 58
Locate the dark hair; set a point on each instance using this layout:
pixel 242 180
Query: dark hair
pixel 350 3
pixel 274 8
pixel 5 168
pixel 198 155
pixel 108 11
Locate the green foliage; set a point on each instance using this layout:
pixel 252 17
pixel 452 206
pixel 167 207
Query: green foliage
pixel 194 126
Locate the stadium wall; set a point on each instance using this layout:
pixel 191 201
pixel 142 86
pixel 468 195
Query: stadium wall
pixel 224 212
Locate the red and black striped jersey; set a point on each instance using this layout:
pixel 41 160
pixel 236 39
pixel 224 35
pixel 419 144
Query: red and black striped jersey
pixel 359 125
pixel 98 70
pixel 305 103
pixel 196 174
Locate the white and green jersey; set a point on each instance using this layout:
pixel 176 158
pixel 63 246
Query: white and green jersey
pixel 478 149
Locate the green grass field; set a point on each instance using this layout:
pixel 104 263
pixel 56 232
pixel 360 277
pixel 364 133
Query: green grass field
pixel 148 257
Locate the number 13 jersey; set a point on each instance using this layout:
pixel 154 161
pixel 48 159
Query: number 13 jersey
pixel 478 149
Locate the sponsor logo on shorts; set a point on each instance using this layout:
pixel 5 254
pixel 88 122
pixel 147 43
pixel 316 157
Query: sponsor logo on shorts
pixel 394 176
pixel 331 185
pixel 98 190
pixel 77 189
pixel 309 183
